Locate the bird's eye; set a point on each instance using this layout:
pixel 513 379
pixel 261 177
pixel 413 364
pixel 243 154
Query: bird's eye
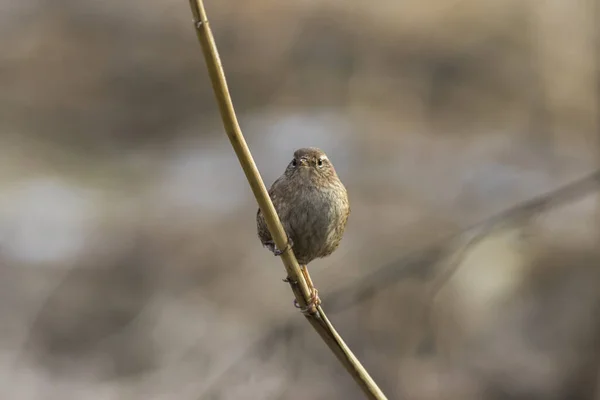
pixel 320 163
pixel 294 162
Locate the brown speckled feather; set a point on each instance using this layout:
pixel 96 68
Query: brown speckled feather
pixel 312 204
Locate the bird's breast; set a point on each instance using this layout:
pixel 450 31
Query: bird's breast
pixel 314 221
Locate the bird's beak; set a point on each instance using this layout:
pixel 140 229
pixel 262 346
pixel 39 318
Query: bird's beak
pixel 303 162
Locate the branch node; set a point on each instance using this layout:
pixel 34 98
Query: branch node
pixel 198 24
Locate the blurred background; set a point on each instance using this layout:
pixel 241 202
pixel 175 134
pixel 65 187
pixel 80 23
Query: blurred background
pixel 129 262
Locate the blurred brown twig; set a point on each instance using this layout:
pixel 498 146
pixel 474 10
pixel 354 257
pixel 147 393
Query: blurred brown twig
pixel 526 209
pixel 318 319
pixel 420 263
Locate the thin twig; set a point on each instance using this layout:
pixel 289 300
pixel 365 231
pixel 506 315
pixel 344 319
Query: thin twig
pixel 318 319
pixel 563 195
pixel 419 264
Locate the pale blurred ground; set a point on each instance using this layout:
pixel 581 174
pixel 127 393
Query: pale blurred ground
pixel 130 267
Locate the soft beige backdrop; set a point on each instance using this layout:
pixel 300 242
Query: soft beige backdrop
pixel 129 263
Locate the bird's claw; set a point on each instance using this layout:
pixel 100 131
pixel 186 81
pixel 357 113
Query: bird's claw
pixel 277 252
pixel 313 303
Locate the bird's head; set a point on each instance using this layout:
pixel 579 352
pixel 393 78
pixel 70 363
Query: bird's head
pixel 310 163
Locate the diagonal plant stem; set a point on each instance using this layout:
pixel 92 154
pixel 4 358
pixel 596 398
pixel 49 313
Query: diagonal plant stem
pixel 317 319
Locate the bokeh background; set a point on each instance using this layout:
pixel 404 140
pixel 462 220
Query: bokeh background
pixel 129 262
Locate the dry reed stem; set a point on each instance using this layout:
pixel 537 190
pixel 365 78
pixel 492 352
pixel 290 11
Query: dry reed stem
pixel 318 319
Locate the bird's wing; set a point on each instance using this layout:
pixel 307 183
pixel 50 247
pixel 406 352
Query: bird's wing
pixel 261 224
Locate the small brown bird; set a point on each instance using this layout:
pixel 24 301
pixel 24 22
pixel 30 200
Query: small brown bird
pixel 312 204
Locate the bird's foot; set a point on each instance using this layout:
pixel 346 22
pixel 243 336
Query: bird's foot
pixel 313 303
pixel 277 252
